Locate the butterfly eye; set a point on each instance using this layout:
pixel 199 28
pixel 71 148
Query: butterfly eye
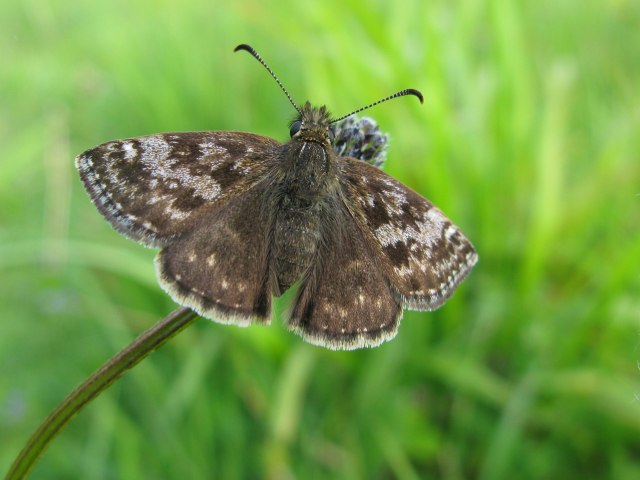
pixel 295 127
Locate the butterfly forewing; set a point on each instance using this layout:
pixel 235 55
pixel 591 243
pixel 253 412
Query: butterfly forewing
pixel 155 188
pixel 424 255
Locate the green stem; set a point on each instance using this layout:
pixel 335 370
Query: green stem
pixel 95 385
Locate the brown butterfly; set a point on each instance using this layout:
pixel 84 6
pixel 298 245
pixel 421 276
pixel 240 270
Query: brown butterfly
pixel 240 217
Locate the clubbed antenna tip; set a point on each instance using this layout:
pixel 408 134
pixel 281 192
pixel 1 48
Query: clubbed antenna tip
pixel 247 48
pixel 413 91
pixel 401 93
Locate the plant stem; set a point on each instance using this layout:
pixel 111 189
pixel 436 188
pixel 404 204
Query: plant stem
pixel 99 381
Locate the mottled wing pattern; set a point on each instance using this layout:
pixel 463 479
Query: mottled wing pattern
pixel 154 188
pixel 423 255
pixel 192 194
pixel 345 301
pixel 220 269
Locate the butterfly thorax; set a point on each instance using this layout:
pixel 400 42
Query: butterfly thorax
pixel 309 162
pixel 307 182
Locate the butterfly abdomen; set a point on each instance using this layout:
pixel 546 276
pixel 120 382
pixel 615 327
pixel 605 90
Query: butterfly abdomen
pixel 296 236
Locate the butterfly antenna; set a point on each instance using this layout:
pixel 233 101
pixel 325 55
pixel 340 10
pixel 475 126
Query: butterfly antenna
pixel 257 56
pixel 402 93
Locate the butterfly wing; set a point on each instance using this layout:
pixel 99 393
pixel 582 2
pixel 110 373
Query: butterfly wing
pixel 345 301
pixel 220 269
pixel 198 196
pixel 385 248
pixel 423 254
pixel 154 188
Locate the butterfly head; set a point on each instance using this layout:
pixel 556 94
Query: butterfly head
pixel 312 125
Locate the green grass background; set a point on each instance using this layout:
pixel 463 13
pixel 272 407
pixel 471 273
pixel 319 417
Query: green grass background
pixel 529 140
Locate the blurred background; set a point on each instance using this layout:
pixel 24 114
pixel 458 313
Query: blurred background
pixel 529 140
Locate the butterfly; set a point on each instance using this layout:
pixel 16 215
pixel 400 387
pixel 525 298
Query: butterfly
pixel 240 218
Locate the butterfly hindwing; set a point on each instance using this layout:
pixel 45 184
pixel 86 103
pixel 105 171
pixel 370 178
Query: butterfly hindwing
pixel 220 269
pixel 153 188
pixel 423 254
pixel 345 301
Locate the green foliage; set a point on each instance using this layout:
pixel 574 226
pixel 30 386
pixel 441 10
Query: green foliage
pixel 528 139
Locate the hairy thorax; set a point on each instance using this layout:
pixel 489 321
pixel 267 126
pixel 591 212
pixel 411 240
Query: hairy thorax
pixel 304 188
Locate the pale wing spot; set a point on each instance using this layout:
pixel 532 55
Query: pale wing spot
pixel 431 227
pixel 243 167
pixel 396 199
pixel 225 284
pixel 211 148
pixel 192 257
pixel 208 190
pixel 450 232
pixel 129 151
pixel 177 214
pixel 404 271
pixel 211 260
pixel 370 200
pixel 155 199
pixel 156 157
